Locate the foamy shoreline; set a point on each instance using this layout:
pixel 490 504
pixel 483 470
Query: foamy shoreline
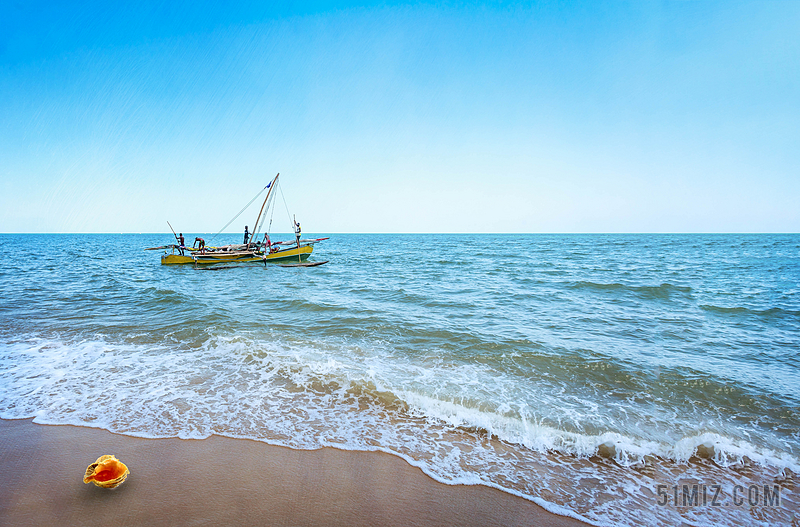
pixel 223 481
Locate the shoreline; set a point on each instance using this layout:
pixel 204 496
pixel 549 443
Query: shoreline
pixel 225 481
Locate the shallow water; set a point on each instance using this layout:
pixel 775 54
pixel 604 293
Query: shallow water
pixel 581 371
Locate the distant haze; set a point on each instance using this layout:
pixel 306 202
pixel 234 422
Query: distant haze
pixel 450 117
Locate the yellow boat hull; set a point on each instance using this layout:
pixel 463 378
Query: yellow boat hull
pixel 292 254
pixel 171 259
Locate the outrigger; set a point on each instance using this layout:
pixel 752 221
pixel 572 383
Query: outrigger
pixel 293 253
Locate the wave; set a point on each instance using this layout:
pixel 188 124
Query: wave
pixel 741 310
pixel 322 380
pixel 663 291
pixel 305 394
pixel 624 450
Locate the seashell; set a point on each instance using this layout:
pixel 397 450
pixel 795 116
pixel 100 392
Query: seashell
pixel 107 472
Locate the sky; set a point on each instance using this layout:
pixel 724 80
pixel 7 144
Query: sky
pixel 641 116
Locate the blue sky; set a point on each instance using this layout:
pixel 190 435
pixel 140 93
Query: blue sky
pixel 402 117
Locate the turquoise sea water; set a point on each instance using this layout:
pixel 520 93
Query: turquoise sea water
pixel 580 371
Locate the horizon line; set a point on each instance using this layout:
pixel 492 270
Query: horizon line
pixel 426 232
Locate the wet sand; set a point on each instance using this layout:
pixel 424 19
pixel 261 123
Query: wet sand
pixel 222 481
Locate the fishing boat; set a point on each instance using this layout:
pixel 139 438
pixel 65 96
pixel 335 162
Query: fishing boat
pixel 287 253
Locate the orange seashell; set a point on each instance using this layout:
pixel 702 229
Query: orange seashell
pixel 107 472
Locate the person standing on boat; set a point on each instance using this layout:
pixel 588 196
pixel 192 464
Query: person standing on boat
pixel 246 235
pixel 201 243
pixel 268 244
pixel 181 244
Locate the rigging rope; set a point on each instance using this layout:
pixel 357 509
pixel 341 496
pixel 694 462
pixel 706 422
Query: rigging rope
pixel 263 217
pixel 287 209
pixel 239 214
pixel 271 215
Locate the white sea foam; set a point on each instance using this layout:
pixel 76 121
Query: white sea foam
pixel 450 420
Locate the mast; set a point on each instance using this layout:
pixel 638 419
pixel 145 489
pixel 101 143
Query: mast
pixel 271 186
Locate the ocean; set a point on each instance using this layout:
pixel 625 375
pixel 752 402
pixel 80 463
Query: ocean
pixel 627 379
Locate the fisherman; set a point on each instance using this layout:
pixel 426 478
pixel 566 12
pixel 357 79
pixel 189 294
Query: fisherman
pixel 181 244
pixel 246 235
pixel 270 247
pixel 297 228
pixel 202 244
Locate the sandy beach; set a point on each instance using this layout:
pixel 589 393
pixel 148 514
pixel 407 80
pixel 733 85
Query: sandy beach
pixel 223 481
